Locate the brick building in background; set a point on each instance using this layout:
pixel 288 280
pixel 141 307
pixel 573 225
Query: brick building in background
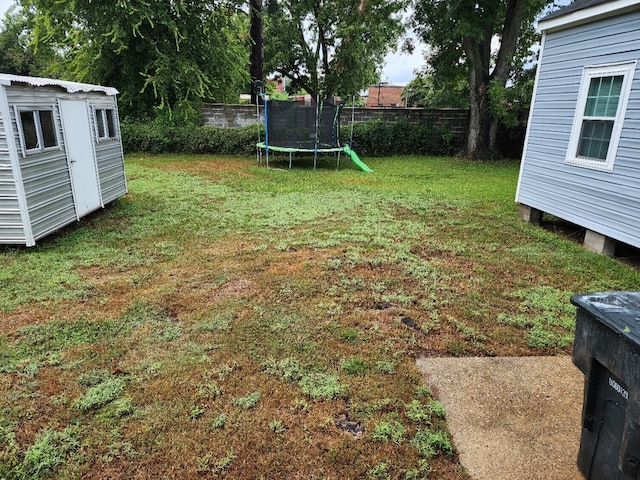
pixel 385 96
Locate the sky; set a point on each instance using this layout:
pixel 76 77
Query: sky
pixel 4 6
pixel 398 67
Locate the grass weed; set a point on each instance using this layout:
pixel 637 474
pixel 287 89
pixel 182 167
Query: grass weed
pixel 429 443
pixel 389 430
pixel 183 327
pixel 219 422
pixel 50 450
pixel 101 394
pixel 248 401
pixel 354 365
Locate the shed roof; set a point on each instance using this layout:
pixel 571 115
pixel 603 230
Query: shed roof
pixel 71 87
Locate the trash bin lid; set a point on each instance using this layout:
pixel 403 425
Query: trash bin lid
pixel 620 311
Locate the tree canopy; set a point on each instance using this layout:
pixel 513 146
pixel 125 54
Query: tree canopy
pixel 461 34
pixel 332 47
pixel 16 55
pixel 159 54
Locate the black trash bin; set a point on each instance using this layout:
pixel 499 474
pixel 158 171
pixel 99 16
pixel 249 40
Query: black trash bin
pixel 607 350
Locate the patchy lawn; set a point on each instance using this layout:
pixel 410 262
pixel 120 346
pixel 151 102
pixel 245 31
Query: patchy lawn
pixel 225 320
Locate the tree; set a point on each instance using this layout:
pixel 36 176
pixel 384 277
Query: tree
pixel 16 54
pixel 461 33
pixel 427 92
pixel 331 47
pixel 256 57
pixel 161 55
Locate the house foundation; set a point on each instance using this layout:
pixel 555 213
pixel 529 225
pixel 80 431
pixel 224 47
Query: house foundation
pixel 530 214
pixel 599 243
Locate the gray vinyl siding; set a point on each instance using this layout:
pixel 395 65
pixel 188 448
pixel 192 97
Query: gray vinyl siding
pixel 11 229
pixel 45 176
pixel 607 203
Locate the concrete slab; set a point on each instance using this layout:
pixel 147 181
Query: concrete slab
pixel 511 418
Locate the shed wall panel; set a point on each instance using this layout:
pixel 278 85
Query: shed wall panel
pixel 608 203
pixel 109 157
pixel 44 175
pixel 11 230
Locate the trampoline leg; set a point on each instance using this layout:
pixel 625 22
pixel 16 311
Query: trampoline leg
pixel 338 164
pixel 267 156
pixel 290 155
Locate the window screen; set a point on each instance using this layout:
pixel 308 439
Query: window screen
pixel 110 124
pixel 599 116
pixel 100 123
pixel 105 123
pixel 29 131
pixel 48 128
pixel 38 130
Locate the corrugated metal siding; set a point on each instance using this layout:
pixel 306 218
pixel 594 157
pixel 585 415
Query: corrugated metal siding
pixel 11 230
pixel 45 175
pixel 109 157
pixel 608 203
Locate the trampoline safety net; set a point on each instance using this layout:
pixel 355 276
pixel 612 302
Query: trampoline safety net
pixel 294 125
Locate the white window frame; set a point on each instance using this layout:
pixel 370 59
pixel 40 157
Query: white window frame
pixel 627 70
pixel 40 137
pixel 100 117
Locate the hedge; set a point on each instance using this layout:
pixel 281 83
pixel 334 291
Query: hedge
pixel 370 139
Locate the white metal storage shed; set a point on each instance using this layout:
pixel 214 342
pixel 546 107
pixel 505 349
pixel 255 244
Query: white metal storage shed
pixel 61 155
pixel 581 160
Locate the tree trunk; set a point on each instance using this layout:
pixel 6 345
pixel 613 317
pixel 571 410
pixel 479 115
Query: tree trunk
pixel 508 44
pixel 256 55
pixel 478 134
pixel 494 151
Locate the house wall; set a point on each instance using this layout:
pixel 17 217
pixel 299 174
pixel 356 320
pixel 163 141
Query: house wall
pixel 385 96
pixel 46 177
pixel 607 203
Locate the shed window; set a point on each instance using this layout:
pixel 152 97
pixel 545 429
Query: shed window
pixel 597 125
pixel 105 123
pixel 37 130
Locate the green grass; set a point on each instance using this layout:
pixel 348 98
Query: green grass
pixel 101 394
pixel 221 317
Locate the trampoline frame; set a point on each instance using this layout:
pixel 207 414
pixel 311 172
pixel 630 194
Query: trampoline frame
pixel 317 147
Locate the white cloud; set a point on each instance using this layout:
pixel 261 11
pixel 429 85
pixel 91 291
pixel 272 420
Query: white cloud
pixel 400 67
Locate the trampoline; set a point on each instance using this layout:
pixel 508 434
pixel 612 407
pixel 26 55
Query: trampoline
pixel 296 127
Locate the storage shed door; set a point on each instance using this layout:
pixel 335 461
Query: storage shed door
pixel 78 140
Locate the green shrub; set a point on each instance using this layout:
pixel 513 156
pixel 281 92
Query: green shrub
pixel 162 138
pixel 377 138
pixel 371 138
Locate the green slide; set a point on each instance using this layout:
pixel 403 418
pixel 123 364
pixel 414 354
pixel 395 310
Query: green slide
pixel 355 159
